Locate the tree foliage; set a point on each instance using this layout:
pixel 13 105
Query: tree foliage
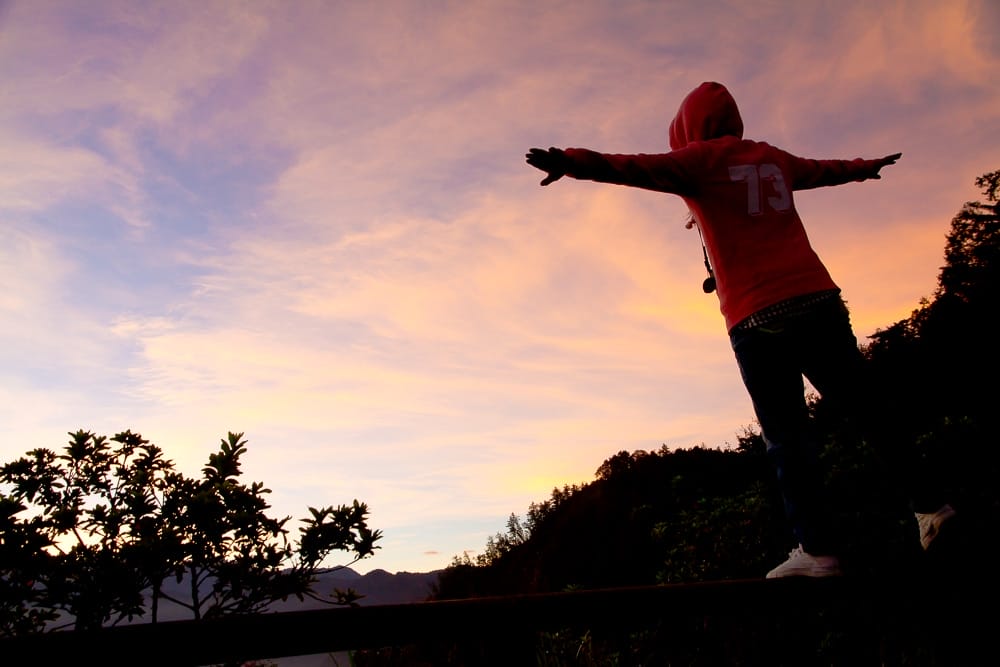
pixel 936 361
pixel 89 536
pixel 633 525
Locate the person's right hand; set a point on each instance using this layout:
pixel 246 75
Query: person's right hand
pixel 885 162
pixel 552 161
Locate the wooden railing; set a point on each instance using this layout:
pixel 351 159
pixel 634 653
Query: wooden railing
pixel 504 619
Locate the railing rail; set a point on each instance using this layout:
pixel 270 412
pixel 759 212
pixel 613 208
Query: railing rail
pixel 286 634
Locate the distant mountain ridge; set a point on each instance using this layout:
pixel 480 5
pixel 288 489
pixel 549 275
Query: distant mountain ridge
pixel 377 587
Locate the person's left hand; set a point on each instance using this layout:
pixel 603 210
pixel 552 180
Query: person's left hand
pixel 552 161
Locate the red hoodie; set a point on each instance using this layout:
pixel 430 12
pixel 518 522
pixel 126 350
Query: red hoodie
pixel 740 194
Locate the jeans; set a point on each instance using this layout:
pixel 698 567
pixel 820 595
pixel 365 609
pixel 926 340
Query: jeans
pixel 820 345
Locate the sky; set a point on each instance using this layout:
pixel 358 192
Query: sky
pixel 312 223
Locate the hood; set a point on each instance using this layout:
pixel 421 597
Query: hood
pixel 708 112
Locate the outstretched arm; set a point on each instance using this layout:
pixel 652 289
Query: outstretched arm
pixel 665 172
pixel 552 161
pixel 821 173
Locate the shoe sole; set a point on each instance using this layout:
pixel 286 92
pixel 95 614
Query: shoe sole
pixel 946 527
pixel 812 574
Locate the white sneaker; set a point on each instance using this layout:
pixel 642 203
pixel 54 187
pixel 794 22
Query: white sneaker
pixel 802 564
pixel 930 524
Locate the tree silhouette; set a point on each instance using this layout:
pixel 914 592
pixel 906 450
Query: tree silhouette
pixel 937 365
pixel 87 534
pixel 972 249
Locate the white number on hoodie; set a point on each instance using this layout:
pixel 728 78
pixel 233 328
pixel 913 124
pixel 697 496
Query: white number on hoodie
pixel 757 178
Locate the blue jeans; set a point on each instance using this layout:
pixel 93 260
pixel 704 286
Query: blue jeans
pixel 820 345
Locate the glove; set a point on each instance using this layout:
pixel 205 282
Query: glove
pixel 552 161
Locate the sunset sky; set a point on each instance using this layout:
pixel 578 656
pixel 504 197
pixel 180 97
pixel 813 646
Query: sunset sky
pixel 312 222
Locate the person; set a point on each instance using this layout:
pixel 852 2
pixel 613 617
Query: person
pixel 783 311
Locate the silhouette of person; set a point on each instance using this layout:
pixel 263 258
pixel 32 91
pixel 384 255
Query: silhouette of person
pixel 783 311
